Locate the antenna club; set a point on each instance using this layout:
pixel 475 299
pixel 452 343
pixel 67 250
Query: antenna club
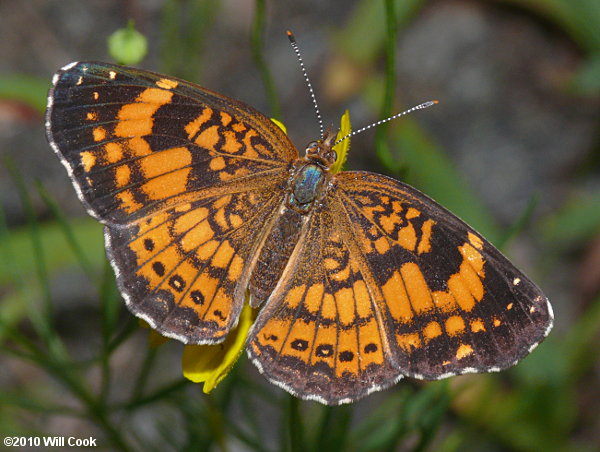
pixel 291 36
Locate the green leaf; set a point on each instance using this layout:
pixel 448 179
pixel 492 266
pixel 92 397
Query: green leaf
pixel 587 80
pixel 55 246
pixel 576 222
pixel 384 423
pixel 519 224
pixel 28 89
pixel 364 35
pixel 332 429
pixel 579 18
pixel 184 26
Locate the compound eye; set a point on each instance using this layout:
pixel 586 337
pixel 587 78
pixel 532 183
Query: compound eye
pixel 333 156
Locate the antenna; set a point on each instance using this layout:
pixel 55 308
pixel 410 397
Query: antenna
pixel 427 104
pixel 310 88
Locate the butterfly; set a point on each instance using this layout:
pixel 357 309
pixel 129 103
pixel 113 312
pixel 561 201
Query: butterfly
pixel 360 279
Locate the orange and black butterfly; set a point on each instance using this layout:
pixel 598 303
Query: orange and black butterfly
pixel 360 279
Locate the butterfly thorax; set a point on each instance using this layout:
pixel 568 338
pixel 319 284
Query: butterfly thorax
pixel 306 186
pixel 310 175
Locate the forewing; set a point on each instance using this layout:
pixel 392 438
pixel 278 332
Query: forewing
pixel 135 142
pixel 454 303
pixel 186 181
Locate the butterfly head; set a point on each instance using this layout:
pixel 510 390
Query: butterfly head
pixel 321 151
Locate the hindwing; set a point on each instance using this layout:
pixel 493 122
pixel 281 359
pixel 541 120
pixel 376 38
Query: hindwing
pixel 385 283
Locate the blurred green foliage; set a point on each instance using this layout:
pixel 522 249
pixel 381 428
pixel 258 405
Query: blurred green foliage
pixel 183 31
pixel 530 408
pixel 580 19
pixel 127 45
pixel 26 89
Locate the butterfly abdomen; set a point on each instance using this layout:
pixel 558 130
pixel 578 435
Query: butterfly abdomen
pixel 275 254
pixel 306 186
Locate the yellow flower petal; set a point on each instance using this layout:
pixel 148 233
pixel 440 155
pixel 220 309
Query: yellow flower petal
pixel 342 148
pixel 280 125
pixel 154 338
pixel 211 363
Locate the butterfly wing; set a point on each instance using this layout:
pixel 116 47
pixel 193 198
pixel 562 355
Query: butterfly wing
pixel 320 335
pixel 186 181
pixel 388 283
pixel 136 142
pixel 452 302
pixel 185 270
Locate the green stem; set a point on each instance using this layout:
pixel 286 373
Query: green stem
pixel 96 410
pixel 121 336
pixel 256 39
pixel 68 231
pixel 142 378
pixel 383 150
pixel 40 318
pixel 295 426
pixel 217 423
pixel 159 394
